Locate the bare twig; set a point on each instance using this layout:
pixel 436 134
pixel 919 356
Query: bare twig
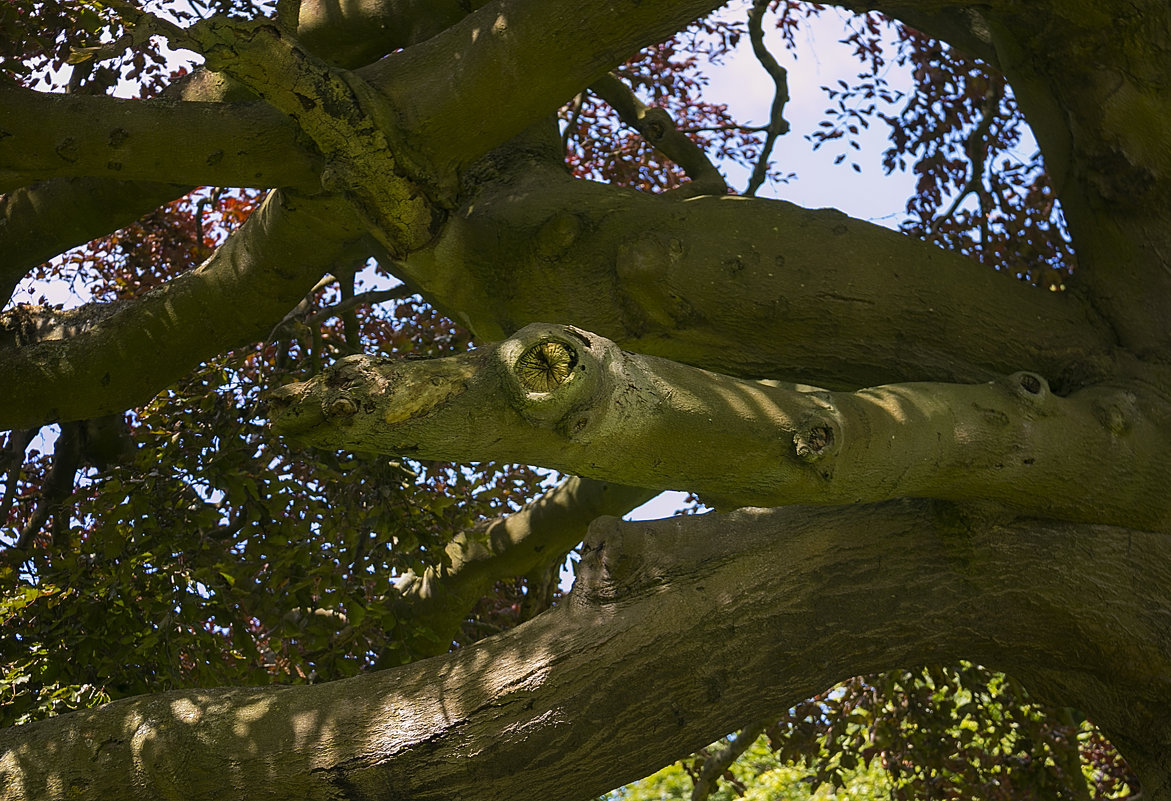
pixel 729 127
pixel 354 301
pixel 715 764
pixel 56 488
pixel 658 128
pixel 977 152
pixel 575 115
pixel 777 124
pixel 11 460
pixel 300 308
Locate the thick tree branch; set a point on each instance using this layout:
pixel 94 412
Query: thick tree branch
pixel 537 536
pixel 570 400
pixel 447 89
pixel 42 221
pixel 560 707
pixel 120 355
pixel 757 288
pixel 37 222
pixel 238 144
pixel 394 207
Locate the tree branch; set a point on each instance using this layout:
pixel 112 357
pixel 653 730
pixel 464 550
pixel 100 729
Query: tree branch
pixel 757 288
pixel 573 401
pixel 715 764
pixel 658 128
pixel 459 75
pixel 818 595
pixel 1100 124
pixel 37 222
pixel 532 539
pixel 118 355
pixel 41 221
pixel 224 144
pixel 777 124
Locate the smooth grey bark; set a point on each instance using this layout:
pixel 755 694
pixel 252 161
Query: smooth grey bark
pixel 747 286
pixel 606 688
pixel 677 632
pixel 568 399
pixel 224 144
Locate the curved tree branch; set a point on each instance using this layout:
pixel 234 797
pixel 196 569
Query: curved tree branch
pixel 115 356
pixel 777 124
pixel 818 595
pixel 532 539
pixel 1100 123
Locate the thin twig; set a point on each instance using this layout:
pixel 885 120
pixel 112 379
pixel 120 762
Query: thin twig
pixel 658 128
pixel 777 124
pixel 354 301
pixel 732 126
pixel 11 460
pixel 977 154
pixel 575 115
pixel 56 488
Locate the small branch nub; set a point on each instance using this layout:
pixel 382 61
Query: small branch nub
pixel 1031 383
pixel 813 443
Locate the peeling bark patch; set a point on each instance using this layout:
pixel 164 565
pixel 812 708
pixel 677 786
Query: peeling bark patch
pixel 992 416
pixel 67 150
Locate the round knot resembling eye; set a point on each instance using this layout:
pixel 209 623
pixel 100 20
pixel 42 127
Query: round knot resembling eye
pixel 545 366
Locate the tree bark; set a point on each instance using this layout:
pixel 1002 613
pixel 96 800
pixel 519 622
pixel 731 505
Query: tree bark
pixel 571 400
pixel 116 356
pixel 676 633
pixel 680 631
